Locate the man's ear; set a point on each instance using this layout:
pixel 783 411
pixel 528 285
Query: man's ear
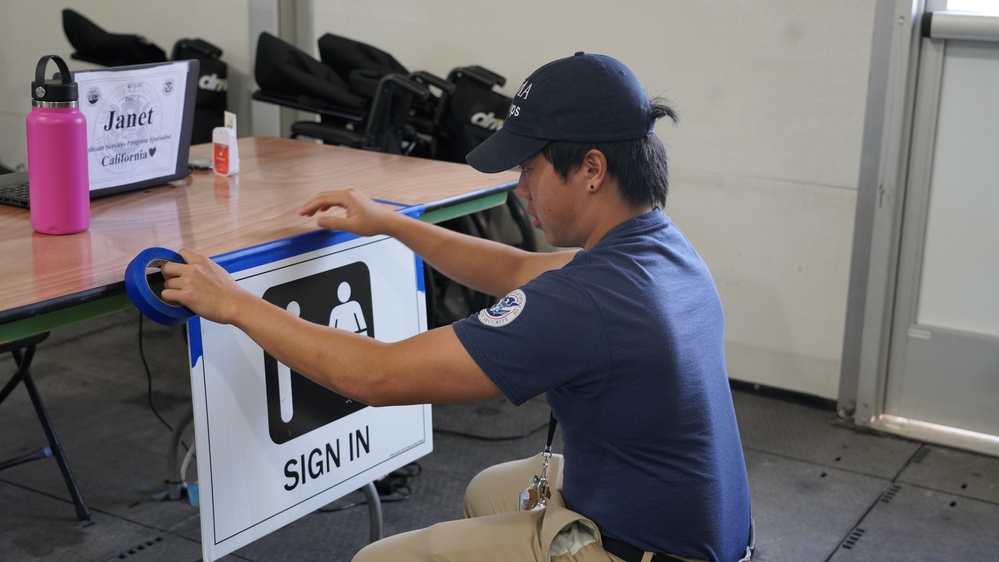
pixel 594 169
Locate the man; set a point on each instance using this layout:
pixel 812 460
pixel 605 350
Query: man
pixel 624 336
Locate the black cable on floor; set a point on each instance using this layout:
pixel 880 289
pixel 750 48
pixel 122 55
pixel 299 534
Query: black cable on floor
pixel 149 378
pixel 392 488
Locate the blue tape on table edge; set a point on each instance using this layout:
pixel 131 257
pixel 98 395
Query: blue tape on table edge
pixel 142 295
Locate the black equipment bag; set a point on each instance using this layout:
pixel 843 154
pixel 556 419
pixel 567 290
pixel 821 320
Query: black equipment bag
pixel 286 71
pixel 359 64
pixel 473 113
pixel 213 87
pixel 363 67
pixel 94 44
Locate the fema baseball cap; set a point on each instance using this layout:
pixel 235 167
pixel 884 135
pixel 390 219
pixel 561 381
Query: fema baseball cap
pixel 582 98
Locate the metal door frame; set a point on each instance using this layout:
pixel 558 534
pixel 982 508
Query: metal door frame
pixel 893 114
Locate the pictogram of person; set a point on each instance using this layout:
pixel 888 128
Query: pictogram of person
pixel 348 315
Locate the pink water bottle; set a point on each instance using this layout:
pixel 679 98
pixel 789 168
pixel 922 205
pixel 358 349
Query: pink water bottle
pixel 58 179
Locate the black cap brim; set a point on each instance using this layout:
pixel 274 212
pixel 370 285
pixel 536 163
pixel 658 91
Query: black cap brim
pixel 503 150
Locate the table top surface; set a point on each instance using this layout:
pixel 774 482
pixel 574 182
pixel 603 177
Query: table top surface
pixel 214 215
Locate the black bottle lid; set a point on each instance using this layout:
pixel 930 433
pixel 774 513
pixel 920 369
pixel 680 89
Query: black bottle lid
pixel 61 89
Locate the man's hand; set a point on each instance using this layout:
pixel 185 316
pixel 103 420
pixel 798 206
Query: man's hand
pixel 203 286
pixel 364 217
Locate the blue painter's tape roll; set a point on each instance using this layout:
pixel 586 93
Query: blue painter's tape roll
pixel 143 297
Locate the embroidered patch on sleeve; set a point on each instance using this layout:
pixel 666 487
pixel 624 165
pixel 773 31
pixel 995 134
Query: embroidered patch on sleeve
pixel 505 311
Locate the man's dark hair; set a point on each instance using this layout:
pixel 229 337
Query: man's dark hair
pixel 639 165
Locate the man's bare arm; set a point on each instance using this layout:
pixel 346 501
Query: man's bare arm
pixel 487 266
pixel 427 368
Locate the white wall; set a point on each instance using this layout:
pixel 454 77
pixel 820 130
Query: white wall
pixel 765 161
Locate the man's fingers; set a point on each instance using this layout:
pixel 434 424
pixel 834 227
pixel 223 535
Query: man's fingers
pixel 322 202
pixel 330 222
pixel 170 269
pixel 190 256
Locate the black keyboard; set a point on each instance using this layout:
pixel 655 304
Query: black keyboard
pixel 14 192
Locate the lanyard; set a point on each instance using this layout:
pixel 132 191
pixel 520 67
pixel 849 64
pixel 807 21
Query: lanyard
pixel 537 493
pixel 551 436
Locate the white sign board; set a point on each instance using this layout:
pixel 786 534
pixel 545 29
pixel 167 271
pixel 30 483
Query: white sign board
pixel 272 445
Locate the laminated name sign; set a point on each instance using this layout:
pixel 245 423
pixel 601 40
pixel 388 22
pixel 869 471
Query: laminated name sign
pixel 273 445
pixel 136 120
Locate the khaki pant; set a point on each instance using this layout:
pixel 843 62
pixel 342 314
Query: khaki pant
pixel 495 530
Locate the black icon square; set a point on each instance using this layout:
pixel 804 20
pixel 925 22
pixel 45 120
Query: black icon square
pixel 341 298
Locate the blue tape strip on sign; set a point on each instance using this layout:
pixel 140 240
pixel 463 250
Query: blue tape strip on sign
pixel 387 202
pixel 143 297
pixel 194 344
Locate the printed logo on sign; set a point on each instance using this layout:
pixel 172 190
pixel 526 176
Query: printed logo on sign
pixel 505 311
pixel 340 298
pixel 93 95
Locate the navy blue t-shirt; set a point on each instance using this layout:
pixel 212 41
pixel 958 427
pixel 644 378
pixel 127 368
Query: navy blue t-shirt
pixel 627 342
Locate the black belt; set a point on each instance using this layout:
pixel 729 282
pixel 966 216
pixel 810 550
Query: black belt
pixel 629 553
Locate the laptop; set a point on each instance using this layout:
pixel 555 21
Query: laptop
pixel 139 122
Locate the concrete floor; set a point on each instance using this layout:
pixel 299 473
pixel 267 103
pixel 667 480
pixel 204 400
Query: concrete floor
pixel 821 491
